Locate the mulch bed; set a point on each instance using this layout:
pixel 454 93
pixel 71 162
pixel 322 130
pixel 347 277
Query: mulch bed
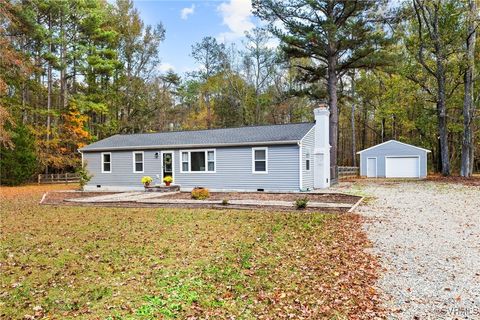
pixel 321 197
pixel 473 181
pixel 58 197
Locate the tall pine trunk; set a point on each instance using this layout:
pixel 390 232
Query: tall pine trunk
pixel 352 121
pixel 430 16
pixel 333 104
pixel 442 117
pixel 49 84
pixel 468 106
pixel 63 71
pixel 209 110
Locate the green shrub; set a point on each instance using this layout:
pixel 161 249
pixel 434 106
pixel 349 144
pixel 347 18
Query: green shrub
pixel 301 203
pixel 200 193
pixel 225 202
pixel 84 176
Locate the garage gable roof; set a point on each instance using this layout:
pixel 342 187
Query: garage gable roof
pixel 393 141
pixel 252 135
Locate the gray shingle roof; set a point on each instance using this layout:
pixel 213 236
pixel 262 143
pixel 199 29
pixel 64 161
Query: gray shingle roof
pixel 283 133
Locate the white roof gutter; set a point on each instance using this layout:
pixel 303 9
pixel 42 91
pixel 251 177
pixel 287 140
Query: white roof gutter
pixel 182 146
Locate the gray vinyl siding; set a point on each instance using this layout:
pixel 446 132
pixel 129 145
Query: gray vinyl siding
pixel 122 168
pixel 392 149
pixel 308 144
pixel 233 170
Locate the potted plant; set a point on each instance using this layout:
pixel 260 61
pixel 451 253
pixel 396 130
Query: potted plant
pixel 168 180
pixel 146 181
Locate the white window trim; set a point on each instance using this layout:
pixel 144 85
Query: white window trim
pixel 189 152
pixel 103 171
pixel 181 161
pixel 266 160
pixel 309 159
pixel 133 161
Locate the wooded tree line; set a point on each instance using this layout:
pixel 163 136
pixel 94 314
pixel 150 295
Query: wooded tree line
pixel 75 71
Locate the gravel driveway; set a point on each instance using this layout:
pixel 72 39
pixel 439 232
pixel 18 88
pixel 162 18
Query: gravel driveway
pixel 427 235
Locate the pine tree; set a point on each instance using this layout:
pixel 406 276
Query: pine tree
pixel 336 35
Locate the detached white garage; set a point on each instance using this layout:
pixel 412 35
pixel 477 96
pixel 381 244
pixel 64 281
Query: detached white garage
pixel 394 159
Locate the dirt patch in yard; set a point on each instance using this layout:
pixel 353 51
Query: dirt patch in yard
pixel 33 189
pixel 265 196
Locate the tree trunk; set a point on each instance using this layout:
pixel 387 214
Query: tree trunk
pixel 364 128
pixel 63 73
pixel 468 106
pixel 383 130
pixel 332 102
pixel 49 85
pixel 441 94
pixel 354 146
pixel 442 117
pixel 209 110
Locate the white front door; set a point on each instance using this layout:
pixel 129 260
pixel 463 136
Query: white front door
pixel 402 167
pixel 371 167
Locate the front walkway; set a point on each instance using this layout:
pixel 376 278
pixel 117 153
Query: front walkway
pixel 119 197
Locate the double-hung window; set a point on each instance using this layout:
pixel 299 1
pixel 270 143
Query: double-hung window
pixel 198 161
pixel 307 160
pixel 106 162
pixel 185 162
pixel 138 162
pixel 260 160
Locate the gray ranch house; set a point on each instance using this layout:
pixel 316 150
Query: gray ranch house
pixel 287 157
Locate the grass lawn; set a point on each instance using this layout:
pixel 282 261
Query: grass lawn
pixel 137 263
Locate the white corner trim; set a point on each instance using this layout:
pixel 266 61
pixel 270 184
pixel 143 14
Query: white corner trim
pixel 300 164
pixel 266 160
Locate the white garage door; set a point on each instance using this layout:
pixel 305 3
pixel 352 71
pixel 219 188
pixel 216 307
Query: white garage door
pixel 402 167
